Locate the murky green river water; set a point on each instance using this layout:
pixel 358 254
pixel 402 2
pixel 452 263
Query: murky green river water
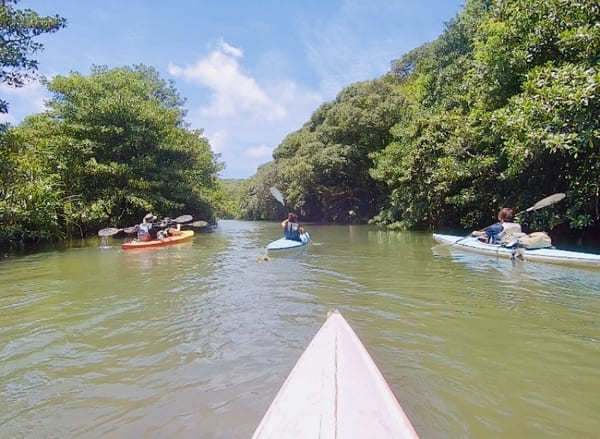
pixel 194 340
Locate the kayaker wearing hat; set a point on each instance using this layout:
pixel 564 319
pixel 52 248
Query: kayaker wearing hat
pixel 146 231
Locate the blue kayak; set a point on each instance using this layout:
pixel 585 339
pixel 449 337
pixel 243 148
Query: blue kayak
pixel 287 244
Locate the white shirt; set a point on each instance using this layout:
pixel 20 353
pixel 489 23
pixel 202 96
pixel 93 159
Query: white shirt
pixel 510 228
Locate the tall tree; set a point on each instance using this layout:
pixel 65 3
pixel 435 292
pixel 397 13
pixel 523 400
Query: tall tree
pixel 18 29
pixel 111 146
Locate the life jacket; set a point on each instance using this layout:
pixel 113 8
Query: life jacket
pixel 146 232
pixel 292 231
pixel 493 233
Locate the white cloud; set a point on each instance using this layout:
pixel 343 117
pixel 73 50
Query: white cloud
pixel 33 94
pixel 23 101
pixel 233 92
pixel 230 50
pixel 244 112
pixel 7 118
pixel 217 140
pixel 261 151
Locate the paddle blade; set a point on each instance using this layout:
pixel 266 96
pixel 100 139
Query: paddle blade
pixel 183 219
pixel 198 224
pixel 109 231
pixel 547 201
pixel 277 195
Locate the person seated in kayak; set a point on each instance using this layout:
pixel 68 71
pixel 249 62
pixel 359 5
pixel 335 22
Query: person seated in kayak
pixel 146 230
pixel 505 226
pixel 165 230
pixel 291 229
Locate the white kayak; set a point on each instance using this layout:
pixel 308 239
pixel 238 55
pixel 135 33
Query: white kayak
pixel 287 244
pixel 335 391
pixel 542 254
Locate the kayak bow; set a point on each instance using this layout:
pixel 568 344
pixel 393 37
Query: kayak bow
pixel 335 391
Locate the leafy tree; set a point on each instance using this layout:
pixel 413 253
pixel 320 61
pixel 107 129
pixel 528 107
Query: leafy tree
pixel 323 168
pixel 111 146
pixel 501 109
pixel 18 28
pixel 257 203
pixel 228 205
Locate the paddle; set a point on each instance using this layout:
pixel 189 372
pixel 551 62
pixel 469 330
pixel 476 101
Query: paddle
pixel 183 219
pixel 544 202
pixel 111 231
pixel 277 195
pixel 198 224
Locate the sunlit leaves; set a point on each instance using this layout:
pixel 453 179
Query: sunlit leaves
pixel 18 30
pixel 115 146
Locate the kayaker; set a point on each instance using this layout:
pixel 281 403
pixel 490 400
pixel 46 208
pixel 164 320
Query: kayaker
pixel 505 226
pixel 291 229
pixel 165 230
pixel 146 230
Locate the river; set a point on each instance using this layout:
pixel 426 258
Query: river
pixel 194 340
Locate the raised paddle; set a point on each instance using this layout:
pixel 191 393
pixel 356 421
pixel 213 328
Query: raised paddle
pixel 198 224
pixel 183 219
pixel 277 195
pixel 544 202
pixel 109 231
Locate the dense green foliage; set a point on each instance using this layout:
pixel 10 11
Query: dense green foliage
pixel 110 147
pixel 256 201
pixel 228 205
pixel 324 167
pixel 502 109
pixel 18 28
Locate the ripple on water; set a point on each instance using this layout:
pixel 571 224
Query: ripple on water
pixel 196 339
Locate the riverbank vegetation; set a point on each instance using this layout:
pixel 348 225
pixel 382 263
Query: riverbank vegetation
pixel 228 205
pixel 110 146
pixel 501 110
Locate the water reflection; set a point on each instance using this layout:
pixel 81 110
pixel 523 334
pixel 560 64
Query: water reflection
pixel 570 279
pixel 195 339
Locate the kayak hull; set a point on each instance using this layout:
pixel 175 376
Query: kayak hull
pixel 335 390
pixel 288 244
pixel 549 255
pixel 183 236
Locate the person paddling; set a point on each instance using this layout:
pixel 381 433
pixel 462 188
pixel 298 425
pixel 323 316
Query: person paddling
pixel 146 230
pixel 291 229
pixel 505 226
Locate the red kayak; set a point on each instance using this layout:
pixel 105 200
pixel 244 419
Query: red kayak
pixel 174 239
pixel 335 390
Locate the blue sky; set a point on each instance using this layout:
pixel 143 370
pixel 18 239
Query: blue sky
pixel 252 71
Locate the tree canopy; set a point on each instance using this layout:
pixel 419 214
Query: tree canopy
pixel 111 146
pixel 502 109
pixel 18 29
